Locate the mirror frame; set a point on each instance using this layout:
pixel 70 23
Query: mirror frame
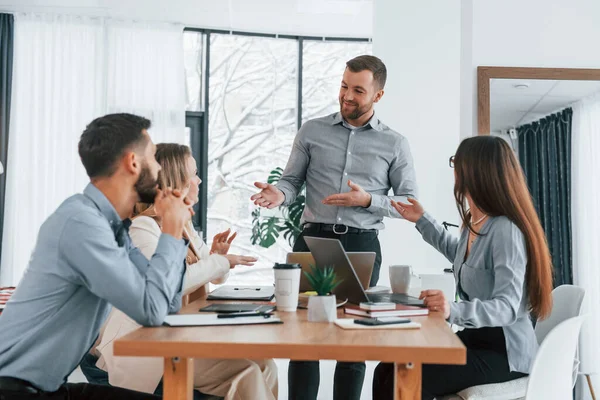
pixel 484 74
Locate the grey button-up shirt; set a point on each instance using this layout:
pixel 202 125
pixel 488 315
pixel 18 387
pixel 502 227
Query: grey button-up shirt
pixel 83 261
pixel 491 283
pixel 327 152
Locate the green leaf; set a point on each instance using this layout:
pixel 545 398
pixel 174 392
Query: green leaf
pixel 275 175
pixel 322 280
pixel 266 233
pixel 269 232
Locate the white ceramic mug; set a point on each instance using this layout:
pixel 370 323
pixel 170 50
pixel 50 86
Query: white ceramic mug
pixel 400 276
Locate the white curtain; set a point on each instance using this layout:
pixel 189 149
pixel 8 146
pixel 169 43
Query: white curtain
pixel 146 76
pixel 67 71
pixel 585 192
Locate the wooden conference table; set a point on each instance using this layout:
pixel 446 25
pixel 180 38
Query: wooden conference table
pixel 296 339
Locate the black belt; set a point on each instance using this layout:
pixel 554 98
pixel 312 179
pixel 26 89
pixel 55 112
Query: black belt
pixel 17 385
pixel 338 229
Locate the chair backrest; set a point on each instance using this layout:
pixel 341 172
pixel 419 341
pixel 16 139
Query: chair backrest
pixel 550 376
pixel 566 303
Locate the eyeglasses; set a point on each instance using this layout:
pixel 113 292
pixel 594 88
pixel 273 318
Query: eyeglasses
pixel 451 161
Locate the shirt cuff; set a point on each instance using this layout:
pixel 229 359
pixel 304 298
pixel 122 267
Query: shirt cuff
pixel 287 194
pixel 377 203
pixel 425 220
pixel 454 317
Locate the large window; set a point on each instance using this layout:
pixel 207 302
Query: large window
pixel 260 89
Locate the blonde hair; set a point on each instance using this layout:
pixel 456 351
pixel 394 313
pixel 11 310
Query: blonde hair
pixel 172 158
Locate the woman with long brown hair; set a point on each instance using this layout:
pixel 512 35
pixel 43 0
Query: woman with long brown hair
pixel 502 268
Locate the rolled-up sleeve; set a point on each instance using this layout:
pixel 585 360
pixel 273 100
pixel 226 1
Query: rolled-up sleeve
pixel 145 294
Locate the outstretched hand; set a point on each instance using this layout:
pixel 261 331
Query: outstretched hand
pixel 356 197
pixel 411 212
pixel 269 196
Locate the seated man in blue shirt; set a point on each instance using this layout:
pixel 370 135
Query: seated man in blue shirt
pixel 83 262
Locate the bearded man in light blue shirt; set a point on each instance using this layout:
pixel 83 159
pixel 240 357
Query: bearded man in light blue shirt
pixel 83 262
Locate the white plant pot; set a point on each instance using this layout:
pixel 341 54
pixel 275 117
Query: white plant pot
pixel 322 308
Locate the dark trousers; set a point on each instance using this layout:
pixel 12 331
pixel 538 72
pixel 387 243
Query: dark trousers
pixel 487 362
pixel 80 391
pixel 304 376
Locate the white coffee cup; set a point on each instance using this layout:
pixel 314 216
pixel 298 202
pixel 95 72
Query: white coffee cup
pixel 400 276
pixel 287 286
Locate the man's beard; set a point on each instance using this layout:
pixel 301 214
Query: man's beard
pixel 358 111
pixel 146 185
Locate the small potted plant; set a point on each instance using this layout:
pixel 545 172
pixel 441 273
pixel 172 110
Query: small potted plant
pixel 322 307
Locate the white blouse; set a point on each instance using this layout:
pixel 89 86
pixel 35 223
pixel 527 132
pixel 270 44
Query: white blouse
pixel 144 373
pixel 214 268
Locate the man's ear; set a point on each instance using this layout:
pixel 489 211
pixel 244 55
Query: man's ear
pixel 378 96
pixel 131 162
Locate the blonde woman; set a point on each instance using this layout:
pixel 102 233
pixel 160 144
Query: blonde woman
pixel 231 379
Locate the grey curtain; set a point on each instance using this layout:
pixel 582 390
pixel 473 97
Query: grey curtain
pixel 545 154
pixel 6 61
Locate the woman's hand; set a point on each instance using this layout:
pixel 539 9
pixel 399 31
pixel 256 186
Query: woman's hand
pixel 240 260
pixel 222 242
pixel 411 212
pixel 436 301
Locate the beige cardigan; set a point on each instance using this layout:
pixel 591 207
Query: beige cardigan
pixel 144 373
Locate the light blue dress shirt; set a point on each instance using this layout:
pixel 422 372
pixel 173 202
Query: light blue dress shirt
pixel 82 263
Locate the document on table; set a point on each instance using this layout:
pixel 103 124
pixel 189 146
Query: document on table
pixel 211 320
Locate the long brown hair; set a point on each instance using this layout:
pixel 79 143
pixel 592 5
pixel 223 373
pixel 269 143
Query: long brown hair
pixel 172 158
pixel 488 171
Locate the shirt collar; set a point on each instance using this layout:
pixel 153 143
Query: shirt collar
pixel 105 207
pixel 374 122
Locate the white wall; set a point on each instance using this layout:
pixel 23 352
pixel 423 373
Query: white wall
pixel 532 33
pixel 346 18
pixel 420 43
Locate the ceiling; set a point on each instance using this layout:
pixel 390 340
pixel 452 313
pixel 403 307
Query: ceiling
pixel 511 106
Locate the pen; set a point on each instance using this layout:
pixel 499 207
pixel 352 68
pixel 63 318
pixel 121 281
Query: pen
pixel 235 315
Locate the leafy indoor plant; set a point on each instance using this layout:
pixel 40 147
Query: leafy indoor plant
pixel 285 220
pixel 322 307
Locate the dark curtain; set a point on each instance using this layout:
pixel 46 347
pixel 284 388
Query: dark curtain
pixel 545 154
pixel 6 60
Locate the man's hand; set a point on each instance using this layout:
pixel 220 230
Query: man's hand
pixel 222 242
pixel 174 210
pixel 268 197
pixel 356 197
pixel 240 260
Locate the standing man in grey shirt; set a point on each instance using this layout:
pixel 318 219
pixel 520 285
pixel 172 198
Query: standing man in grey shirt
pixel 349 161
pixel 83 262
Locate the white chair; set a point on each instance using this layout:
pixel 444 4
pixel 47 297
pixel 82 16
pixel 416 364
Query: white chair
pixel 566 303
pixel 550 376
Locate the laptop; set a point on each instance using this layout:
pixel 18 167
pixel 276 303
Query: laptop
pixel 329 252
pixel 361 261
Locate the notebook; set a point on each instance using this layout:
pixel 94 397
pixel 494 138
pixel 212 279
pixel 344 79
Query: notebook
pixel 212 320
pixel 400 311
pixel 249 293
pixel 348 323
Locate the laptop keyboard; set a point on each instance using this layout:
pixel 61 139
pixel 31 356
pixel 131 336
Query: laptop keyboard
pixel 397 298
